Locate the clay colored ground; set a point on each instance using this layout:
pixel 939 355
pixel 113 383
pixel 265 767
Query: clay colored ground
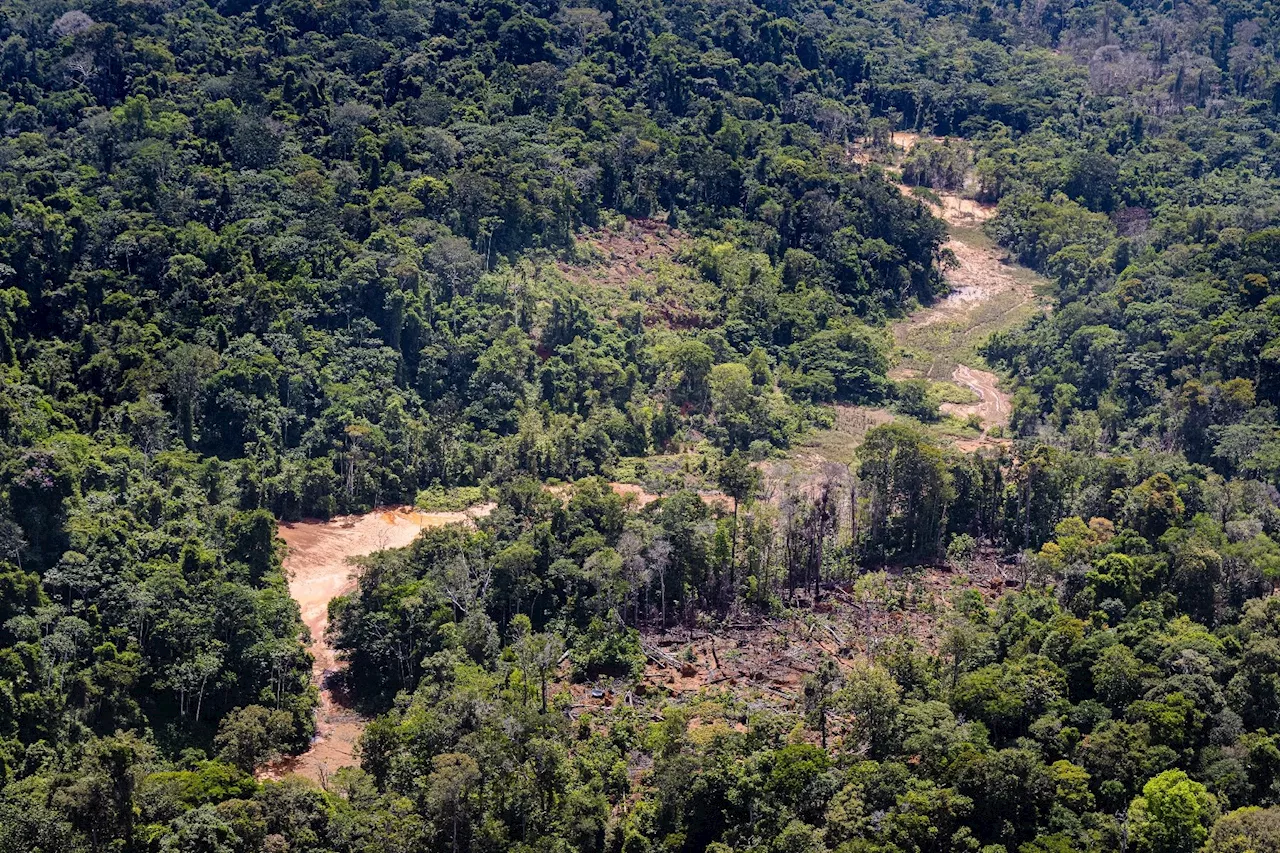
pixel 319 567
pixel 636 264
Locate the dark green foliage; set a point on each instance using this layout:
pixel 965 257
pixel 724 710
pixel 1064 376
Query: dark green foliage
pixel 303 240
pixel 293 259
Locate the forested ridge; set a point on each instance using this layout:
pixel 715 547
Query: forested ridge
pixel 274 261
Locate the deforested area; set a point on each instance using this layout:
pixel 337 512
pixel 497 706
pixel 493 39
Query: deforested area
pixel 639 426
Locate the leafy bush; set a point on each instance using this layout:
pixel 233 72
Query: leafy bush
pixel 607 647
pixel 456 499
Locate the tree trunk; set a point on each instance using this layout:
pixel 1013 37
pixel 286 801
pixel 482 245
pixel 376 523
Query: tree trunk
pixel 733 556
pixel 662 583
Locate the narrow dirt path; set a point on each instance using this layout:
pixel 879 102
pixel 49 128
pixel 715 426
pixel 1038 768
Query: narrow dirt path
pixel 993 405
pixel 989 293
pixel 319 568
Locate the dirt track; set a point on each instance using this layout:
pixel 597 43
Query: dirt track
pixel 993 404
pixel 987 293
pixel 318 566
pixel 985 296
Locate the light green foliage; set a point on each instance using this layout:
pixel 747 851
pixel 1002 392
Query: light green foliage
pixel 250 736
pixel 916 399
pixel 1173 814
pixel 1247 829
pixel 438 499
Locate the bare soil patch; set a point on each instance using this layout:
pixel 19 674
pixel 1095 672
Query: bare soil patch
pixel 643 498
pixel 638 262
pixel 319 567
pixel 980 276
pixel 988 294
pixel 899 140
pixel 993 404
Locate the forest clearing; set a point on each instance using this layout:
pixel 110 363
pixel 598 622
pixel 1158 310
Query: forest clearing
pixel 762 661
pixel 320 565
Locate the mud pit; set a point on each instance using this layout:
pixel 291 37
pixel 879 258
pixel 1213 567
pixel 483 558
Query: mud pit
pixel 319 568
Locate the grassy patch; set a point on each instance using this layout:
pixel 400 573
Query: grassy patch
pixel 949 392
pixel 934 350
pixel 972 235
pixel 440 499
pixel 950 427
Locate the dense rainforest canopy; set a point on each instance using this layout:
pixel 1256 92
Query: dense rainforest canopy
pixel 296 259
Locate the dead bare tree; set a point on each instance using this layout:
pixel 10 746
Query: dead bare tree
pixel 792 522
pixel 821 524
pixel 635 570
pixel 466 581
pixel 659 556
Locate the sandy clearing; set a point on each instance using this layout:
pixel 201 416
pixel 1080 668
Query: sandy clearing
pixel 978 277
pixel 962 212
pixel 993 406
pixel 980 274
pixel 319 568
pixel 981 278
pixel 642 497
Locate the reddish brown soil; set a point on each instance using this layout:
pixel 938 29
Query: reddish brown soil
pixel 319 567
pixel 638 261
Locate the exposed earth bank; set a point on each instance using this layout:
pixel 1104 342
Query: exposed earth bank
pixel 319 567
